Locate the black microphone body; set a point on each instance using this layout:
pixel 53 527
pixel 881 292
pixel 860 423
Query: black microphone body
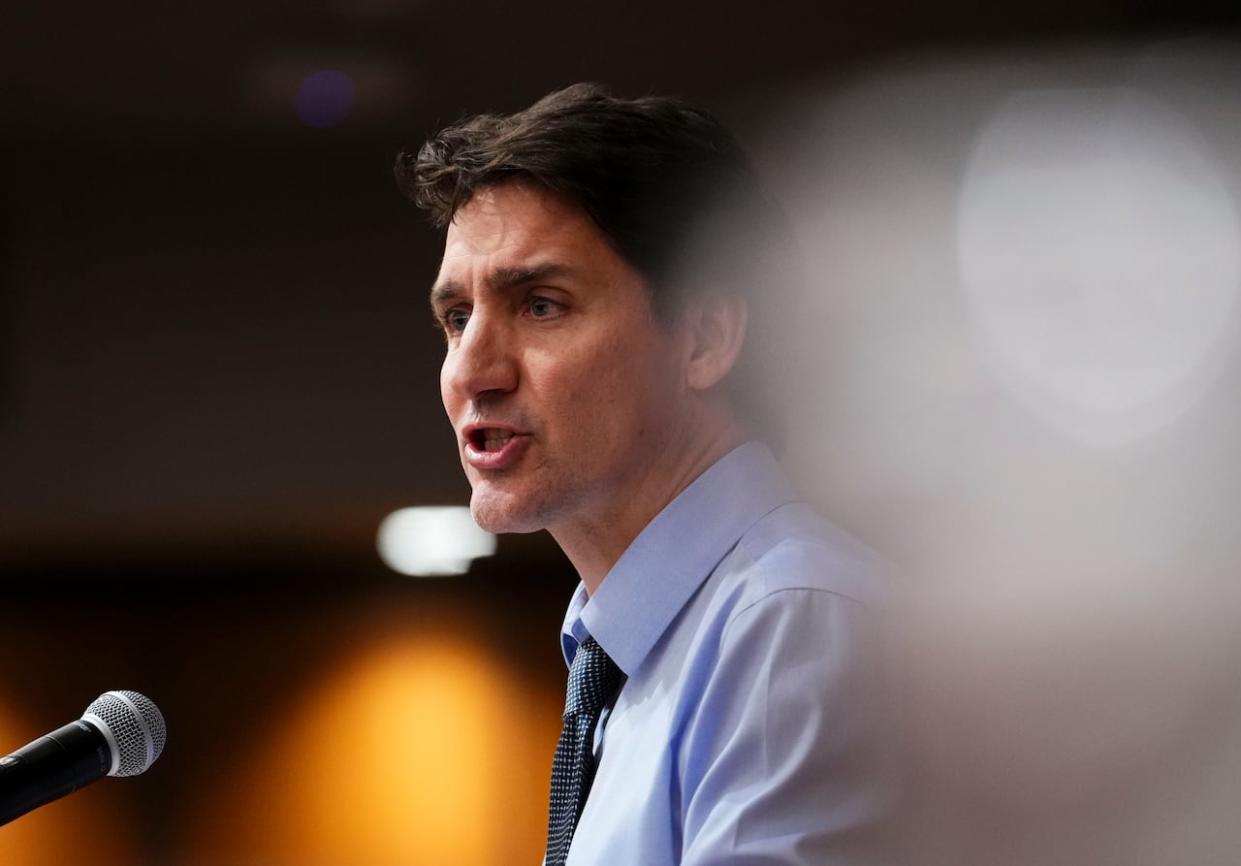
pixel 52 766
pixel 120 734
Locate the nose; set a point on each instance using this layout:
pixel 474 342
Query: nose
pixel 482 361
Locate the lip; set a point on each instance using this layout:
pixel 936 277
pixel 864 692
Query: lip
pixel 492 460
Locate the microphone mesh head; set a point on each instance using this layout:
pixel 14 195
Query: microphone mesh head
pixel 135 724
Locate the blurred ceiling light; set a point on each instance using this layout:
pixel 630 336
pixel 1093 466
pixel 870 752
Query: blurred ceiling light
pixel 439 540
pixel 1098 246
pixel 327 87
pixel 324 98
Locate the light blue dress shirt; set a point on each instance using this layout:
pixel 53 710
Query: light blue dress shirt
pixel 746 626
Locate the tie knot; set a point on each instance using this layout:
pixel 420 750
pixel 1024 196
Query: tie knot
pixel 593 678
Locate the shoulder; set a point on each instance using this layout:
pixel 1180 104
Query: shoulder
pixel 791 578
pixel 792 553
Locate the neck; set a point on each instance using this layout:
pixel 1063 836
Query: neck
pixel 594 542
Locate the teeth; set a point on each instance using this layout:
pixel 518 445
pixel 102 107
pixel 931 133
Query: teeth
pixel 493 440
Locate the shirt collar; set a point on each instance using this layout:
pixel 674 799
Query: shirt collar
pixel 664 566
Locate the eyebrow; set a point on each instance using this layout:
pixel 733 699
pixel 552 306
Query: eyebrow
pixel 499 279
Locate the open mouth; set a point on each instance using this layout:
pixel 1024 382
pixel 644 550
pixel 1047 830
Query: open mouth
pixel 490 438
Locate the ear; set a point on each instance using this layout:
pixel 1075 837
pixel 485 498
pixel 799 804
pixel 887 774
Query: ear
pixel 716 325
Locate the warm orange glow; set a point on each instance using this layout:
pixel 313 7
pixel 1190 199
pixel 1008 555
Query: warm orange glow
pixel 84 827
pixel 421 749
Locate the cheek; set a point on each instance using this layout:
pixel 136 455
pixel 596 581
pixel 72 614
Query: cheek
pixel 611 392
pixel 566 391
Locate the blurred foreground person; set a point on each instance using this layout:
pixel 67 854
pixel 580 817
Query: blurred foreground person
pixel 601 272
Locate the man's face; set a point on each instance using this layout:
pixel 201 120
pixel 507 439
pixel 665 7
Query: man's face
pixel 562 389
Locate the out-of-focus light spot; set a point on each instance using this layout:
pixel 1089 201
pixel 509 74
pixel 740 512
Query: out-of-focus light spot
pixel 440 540
pixel 325 98
pixel 1099 249
pixel 420 748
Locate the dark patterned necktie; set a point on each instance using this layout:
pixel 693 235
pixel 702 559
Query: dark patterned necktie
pixel 593 679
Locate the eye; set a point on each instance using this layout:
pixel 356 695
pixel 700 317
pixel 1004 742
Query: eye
pixel 454 320
pixel 544 308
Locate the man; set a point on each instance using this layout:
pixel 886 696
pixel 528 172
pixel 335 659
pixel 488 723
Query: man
pixel 601 269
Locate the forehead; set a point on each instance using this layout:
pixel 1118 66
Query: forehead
pixel 516 223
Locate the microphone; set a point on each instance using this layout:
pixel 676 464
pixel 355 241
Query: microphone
pixel 120 734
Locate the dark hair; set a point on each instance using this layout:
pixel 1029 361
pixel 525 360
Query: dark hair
pixel 665 182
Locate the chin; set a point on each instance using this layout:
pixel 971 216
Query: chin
pixel 504 513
